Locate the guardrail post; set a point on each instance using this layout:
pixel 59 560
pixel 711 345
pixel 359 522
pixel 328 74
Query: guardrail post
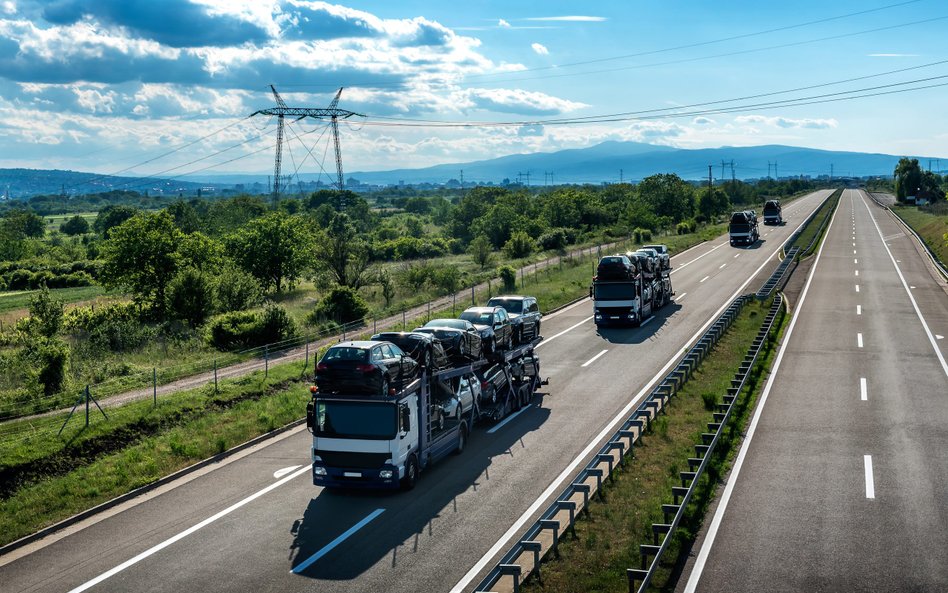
pixel 154 386
pixel 514 571
pixel 536 548
pixel 266 358
pixel 215 375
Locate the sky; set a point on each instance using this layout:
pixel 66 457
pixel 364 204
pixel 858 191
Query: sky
pixel 166 88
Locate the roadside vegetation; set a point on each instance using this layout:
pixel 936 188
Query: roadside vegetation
pixel 606 542
pixel 931 223
pixel 809 239
pixel 170 288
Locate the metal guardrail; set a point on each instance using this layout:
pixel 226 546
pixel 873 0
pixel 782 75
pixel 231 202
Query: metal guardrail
pixel 697 465
pixel 523 558
pixel 793 237
pixel 931 254
pixel 768 287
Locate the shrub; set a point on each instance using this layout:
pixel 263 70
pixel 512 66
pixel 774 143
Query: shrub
pixel 86 319
pixel 122 335
pixel 46 313
pixel 76 225
pixel 236 290
pixel 341 305
pixel 641 235
pixel 275 325
pixel 519 245
pixel 191 297
pixel 46 358
pixel 232 330
pixel 508 276
pixel 447 279
pixel 557 238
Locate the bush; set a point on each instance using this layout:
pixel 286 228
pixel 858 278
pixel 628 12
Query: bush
pixel 275 325
pixel 508 276
pixel 236 290
pixel 76 225
pixel 641 235
pixel 447 279
pixel 519 245
pixel 86 319
pixel 686 226
pixel 232 330
pixel 122 335
pixel 191 297
pixel 557 238
pixel 46 358
pixel 342 305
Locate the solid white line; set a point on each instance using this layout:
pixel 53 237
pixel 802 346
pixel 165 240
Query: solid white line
pixel 739 461
pixel 187 532
pixel 870 488
pixel 858 309
pixel 608 429
pixel 686 264
pixel 571 328
pixel 863 389
pixel 703 279
pixel 679 297
pixel 859 339
pixel 918 312
pixel 329 547
pixel 593 359
pixel 500 425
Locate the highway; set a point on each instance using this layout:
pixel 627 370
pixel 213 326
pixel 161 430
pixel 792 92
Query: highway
pixel 842 481
pixel 256 522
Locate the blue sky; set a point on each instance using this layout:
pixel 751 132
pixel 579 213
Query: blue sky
pixel 110 85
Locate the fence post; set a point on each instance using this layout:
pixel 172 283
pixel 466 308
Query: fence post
pixel 87 405
pixel 154 385
pixel 306 362
pixel 266 356
pixel 428 317
pixel 472 291
pixel 375 326
pixel 215 375
pixel 522 284
pixel 404 323
pixel 454 305
pixel 536 277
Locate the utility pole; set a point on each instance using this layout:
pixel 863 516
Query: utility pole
pixel 281 111
pixel 462 177
pixel 769 165
pixel 723 164
pixel 733 179
pixel 776 175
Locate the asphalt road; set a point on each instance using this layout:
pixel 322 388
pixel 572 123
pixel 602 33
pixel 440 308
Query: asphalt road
pixel 252 521
pixel 842 482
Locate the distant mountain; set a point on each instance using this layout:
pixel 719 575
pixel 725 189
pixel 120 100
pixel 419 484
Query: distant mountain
pixel 603 162
pixel 22 183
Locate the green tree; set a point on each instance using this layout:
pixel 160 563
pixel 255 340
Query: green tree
pixel 341 253
pixel 226 216
pixel 519 245
pixel 711 204
pixel 25 223
pixel 481 251
pixel 191 296
pixel 274 249
pixel 141 254
pixel 908 178
pixel 112 216
pixel 668 195
pixel 236 289
pixel 185 216
pixel 201 252
pixel 77 225
pixel 388 286
pixel 46 313
pixel 447 279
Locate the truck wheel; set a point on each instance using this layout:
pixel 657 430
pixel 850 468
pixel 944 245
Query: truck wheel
pixel 411 474
pixel 525 395
pixel 462 439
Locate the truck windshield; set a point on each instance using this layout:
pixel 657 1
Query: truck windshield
pixel 616 291
pixel 355 420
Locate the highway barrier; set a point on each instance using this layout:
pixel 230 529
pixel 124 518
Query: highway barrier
pixel 931 254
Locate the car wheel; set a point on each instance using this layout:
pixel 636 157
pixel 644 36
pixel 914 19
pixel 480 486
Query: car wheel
pixel 411 474
pixel 441 420
pixel 462 439
pixel 536 331
pixel 385 387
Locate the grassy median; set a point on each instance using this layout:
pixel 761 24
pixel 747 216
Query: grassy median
pixel 931 223
pixel 809 240
pixel 606 543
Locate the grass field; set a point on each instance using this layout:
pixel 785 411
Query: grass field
pixel 20 300
pixel 930 226
pixel 607 542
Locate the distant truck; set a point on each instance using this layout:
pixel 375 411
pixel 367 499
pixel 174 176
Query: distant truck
pixel 632 300
pixel 743 228
pixel 772 212
pixel 385 440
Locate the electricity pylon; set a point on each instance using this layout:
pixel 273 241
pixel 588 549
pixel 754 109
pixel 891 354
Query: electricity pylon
pixel 332 112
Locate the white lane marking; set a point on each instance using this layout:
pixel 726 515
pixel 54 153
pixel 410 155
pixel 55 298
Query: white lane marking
pixel 855 261
pixel 854 244
pixel 500 425
pixel 593 359
pixel 742 454
pixel 939 337
pixel 329 547
pixel 686 264
pixel 870 488
pixel 157 548
pixel 857 272
pixel 918 312
pixel 737 255
pixel 571 328
pixel 721 267
pixel 679 297
pixel 608 429
pixel 911 287
pixel 863 389
pixel 857 288
pixel 703 279
pixel 859 339
pixel 854 252
pixel 898 261
pixel 647 321
pixel 282 472
pixel 858 309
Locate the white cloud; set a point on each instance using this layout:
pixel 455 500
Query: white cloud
pixel 8 7
pixel 786 122
pixel 521 101
pixel 703 121
pixel 503 24
pixel 570 19
pixel 540 49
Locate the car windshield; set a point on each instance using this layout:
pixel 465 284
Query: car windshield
pixel 454 323
pixel 345 353
pixel 485 318
pixel 511 306
pixel 610 261
pixel 355 420
pixel 617 291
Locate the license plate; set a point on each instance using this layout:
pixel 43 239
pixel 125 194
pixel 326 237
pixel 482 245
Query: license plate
pixel 352 474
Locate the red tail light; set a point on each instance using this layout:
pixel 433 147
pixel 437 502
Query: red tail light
pixel 322 367
pixel 484 385
pixel 365 368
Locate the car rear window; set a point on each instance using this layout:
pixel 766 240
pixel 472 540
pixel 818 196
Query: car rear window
pixel 485 318
pixel 511 306
pixel 346 353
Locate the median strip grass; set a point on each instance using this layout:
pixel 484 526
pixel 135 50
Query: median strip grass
pixel 811 236
pixel 606 543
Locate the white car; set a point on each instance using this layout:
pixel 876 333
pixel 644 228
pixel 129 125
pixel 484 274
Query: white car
pixel 456 402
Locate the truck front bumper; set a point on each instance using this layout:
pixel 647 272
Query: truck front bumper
pixel 384 478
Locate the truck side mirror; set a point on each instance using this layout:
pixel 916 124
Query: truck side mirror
pixel 310 414
pixel 590 292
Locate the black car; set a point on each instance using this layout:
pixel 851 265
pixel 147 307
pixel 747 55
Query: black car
pixel 616 267
pixel 424 348
pixel 524 315
pixel 459 338
pixel 664 259
pixel 493 325
pixel 365 367
pixel 494 381
pixel 645 262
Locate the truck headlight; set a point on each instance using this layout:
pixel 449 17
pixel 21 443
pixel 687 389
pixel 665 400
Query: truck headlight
pixel 386 474
pixel 319 470
pixel 598 316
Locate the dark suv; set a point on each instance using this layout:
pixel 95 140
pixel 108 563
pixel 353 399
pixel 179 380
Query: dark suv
pixel 364 367
pixel 493 325
pixel 424 348
pixel 616 267
pixel 524 315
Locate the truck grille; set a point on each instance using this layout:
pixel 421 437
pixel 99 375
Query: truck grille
pixel 354 460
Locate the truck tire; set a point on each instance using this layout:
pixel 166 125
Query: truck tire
pixel 411 473
pixel 462 438
pixel 526 394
